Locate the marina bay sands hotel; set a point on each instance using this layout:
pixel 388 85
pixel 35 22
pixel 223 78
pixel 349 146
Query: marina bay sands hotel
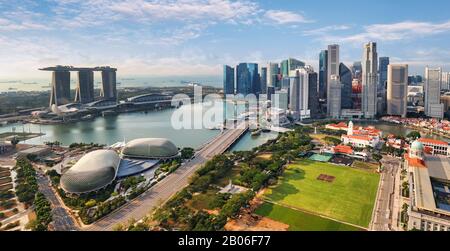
pixel 84 93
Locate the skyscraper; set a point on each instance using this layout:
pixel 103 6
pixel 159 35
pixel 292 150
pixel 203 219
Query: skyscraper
pixel 228 80
pixel 432 89
pixel 84 92
pixel 272 75
pixel 247 79
pixel 445 81
pixel 289 66
pixel 60 93
pixel 264 80
pixel 357 70
pixel 281 99
pixel 298 93
pixel 323 74
pixel 383 68
pixel 294 95
pixel 381 90
pixel 397 89
pixel 109 86
pixel 333 83
pixel 294 64
pixel 284 68
pixel 369 80
pixel 313 95
pixel 346 92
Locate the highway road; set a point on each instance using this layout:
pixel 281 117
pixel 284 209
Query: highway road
pixel 382 219
pixel 62 221
pixel 162 191
pixel 15 118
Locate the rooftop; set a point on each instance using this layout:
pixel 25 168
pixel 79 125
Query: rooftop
pixel 433 141
pixel 358 137
pixel 72 68
pixel 435 168
pixel 93 171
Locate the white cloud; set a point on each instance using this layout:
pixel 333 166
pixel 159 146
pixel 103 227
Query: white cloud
pixel 391 32
pixel 285 17
pixel 186 10
pixel 325 30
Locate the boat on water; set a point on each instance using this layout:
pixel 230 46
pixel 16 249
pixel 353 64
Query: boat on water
pixel 88 117
pixel 256 132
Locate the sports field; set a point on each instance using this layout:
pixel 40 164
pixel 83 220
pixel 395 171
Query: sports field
pixel 321 157
pixel 300 221
pixel 349 197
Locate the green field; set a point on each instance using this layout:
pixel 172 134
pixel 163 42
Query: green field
pixel 300 221
pixel 349 198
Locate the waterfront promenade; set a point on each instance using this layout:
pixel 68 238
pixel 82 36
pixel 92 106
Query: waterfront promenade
pixel 164 190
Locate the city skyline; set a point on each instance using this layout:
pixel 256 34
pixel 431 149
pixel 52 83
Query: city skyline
pixel 167 38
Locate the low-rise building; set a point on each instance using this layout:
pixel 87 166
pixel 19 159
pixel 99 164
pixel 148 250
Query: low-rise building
pixel 342 126
pixel 429 182
pixel 439 147
pixel 395 142
pixel 361 137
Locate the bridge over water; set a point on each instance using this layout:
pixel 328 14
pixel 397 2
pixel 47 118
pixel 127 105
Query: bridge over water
pixel 162 191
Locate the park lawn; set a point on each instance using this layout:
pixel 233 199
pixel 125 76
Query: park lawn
pixel 365 165
pixel 321 137
pixel 349 198
pixel 202 200
pixel 301 221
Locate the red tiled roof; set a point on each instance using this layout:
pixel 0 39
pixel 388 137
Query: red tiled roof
pixel 415 162
pixel 432 141
pixel 428 149
pixel 343 149
pixel 360 137
pixel 340 125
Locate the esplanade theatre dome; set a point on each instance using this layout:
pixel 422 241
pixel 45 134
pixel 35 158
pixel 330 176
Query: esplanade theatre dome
pixel 93 171
pixel 150 148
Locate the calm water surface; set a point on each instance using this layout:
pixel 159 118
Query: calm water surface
pixel 127 126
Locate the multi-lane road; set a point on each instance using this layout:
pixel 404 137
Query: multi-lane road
pixel 382 218
pixel 162 191
pixel 62 220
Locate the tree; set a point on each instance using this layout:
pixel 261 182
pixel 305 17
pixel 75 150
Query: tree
pixel 332 141
pixel 289 157
pixel 377 157
pixel 414 135
pixel 14 142
pixel 187 152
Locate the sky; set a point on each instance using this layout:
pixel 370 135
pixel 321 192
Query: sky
pixel 196 37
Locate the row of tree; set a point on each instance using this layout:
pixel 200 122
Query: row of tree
pixel 43 210
pixel 26 183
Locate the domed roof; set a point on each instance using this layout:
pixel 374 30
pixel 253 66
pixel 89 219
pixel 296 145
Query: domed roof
pixel 93 171
pixel 417 146
pixel 150 148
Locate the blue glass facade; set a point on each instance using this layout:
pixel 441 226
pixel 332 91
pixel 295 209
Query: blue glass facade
pixel 228 79
pixel 263 80
pixel 313 96
pixel 247 79
pixel 345 75
pixel 323 78
pixel 383 68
